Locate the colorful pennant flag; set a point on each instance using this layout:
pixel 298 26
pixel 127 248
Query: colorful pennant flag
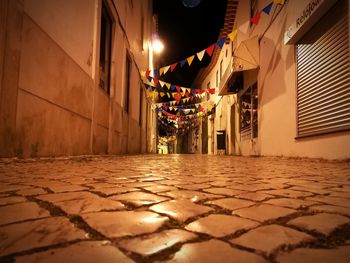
pixel 280 2
pixel 210 49
pixel 173 66
pixel 200 55
pixel 267 8
pixel 221 42
pixel 189 60
pixel 183 62
pixel 255 19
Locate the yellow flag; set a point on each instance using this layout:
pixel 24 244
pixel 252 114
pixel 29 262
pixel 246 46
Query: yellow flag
pixel 161 83
pixel 232 35
pixel 168 94
pixel 280 2
pixel 166 68
pixel 161 71
pixel 189 60
pixel 162 94
pixel 167 85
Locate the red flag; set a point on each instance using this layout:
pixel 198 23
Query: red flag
pixel 172 67
pixel 210 49
pixel 255 19
pixel 147 73
pixel 212 91
pixel 155 81
pixel 187 94
pixel 178 88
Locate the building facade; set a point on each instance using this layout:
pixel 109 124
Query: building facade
pixel 283 83
pixel 70 81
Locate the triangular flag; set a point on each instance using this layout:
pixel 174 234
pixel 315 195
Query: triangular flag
pixel 188 89
pixel 162 94
pixel 232 35
pixel 149 78
pixel 155 81
pixel 210 49
pixel 267 8
pixel 212 91
pixel 147 73
pixel 173 66
pixel 200 55
pixel 183 89
pixel 190 59
pixel 167 85
pixel 161 71
pixel 221 42
pixel 166 68
pixel 156 73
pixel 161 83
pixel 182 62
pixel 255 19
pixel 178 88
pixel 280 2
pixel 172 87
pixel 168 94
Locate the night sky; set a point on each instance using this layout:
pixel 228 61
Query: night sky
pixel 186 31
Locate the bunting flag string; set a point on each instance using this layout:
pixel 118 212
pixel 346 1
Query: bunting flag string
pixel 177 114
pixel 210 49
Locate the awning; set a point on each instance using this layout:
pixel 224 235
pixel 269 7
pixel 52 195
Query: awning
pixel 246 58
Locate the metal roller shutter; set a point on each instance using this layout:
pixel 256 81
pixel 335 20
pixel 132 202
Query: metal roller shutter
pixel 323 81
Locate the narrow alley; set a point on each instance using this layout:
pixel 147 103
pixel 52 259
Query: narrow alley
pixel 174 208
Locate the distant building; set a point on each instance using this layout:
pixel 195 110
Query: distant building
pixel 283 85
pixel 70 81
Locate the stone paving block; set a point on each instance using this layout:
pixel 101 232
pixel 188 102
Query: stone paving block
pixel 341 194
pixel 12 200
pixel 159 188
pixel 309 189
pixel 155 243
pixel 31 191
pixel 193 186
pixel 288 193
pixel 140 198
pixel 20 212
pixel 87 252
pixel 67 188
pixel 345 202
pixel 291 202
pixel 270 237
pixel 263 212
pixel 194 196
pixel 39 233
pixel 331 209
pixel 223 191
pixel 322 223
pixel 308 255
pixel 180 210
pixel 255 196
pixel 220 225
pixel 213 251
pixel 231 203
pixel 12 187
pixel 116 190
pixel 124 223
pixel 81 202
pixel 151 179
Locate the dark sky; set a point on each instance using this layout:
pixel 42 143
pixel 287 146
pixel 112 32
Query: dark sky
pixel 186 31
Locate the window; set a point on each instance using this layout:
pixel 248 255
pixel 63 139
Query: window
pixel 323 76
pixel 141 105
pixel 127 82
pixel 105 48
pixel 249 113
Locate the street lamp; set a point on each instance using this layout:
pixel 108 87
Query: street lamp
pixel 157 44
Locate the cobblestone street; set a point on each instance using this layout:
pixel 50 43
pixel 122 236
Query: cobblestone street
pixel 174 208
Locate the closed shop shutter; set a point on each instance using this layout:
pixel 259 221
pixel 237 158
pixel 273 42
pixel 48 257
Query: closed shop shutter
pixel 323 76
